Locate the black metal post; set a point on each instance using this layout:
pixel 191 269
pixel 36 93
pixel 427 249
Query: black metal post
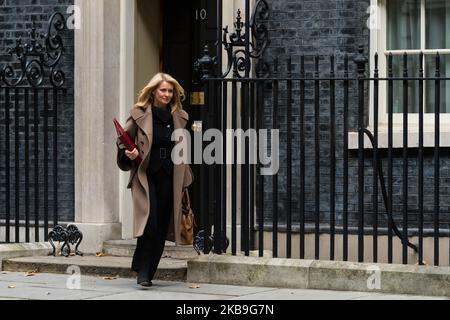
pixel 7 166
pixel 317 157
pixel 421 156
pixel 275 177
pixel 36 164
pixel 345 162
pixel 289 162
pixel 302 157
pixel 46 160
pixel 260 117
pixel 16 164
pixel 214 108
pixel 233 171
pixel 55 154
pixel 437 120
pixel 375 162
pixel 27 167
pixel 332 159
pixel 405 160
pixel 390 153
pixel 252 167
pixel 360 61
pixel 245 172
pixel 224 155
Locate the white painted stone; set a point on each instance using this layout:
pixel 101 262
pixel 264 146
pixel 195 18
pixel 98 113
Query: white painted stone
pixel 97 101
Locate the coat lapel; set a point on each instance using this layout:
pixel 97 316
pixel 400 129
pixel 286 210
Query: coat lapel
pixel 144 121
pixel 179 120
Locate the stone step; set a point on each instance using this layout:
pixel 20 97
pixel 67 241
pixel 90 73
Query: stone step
pixel 169 269
pixel 125 248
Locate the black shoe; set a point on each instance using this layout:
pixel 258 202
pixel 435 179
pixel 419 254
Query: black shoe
pixel 143 280
pixel 145 283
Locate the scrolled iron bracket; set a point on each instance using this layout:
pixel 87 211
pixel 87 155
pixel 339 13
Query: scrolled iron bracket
pixel 43 51
pixel 199 243
pixel 69 236
pixel 234 43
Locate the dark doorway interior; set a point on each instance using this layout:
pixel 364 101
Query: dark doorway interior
pixel 187 27
pixel 177 40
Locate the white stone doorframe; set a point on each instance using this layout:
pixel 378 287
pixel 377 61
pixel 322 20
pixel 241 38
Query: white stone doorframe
pixel 106 54
pixel 127 99
pixel 97 101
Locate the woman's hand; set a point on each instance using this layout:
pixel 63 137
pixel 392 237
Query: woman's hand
pixel 133 154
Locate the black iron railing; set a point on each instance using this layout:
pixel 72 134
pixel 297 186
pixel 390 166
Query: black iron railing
pixel 318 172
pixel 31 89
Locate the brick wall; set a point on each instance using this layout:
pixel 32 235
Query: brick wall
pixel 325 27
pixel 16 18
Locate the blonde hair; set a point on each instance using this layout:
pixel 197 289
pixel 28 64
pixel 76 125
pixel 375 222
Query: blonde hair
pixel 146 94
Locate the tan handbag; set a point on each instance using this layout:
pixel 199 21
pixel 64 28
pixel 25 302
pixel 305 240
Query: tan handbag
pixel 187 220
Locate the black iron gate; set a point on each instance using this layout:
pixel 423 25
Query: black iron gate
pixel 32 88
pixel 269 101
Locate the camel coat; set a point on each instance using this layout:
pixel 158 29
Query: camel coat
pixel 140 128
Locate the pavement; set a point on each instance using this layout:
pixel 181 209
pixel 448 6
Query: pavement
pixel 73 286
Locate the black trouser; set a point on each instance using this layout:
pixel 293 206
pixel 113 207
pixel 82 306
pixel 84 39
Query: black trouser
pixel 150 245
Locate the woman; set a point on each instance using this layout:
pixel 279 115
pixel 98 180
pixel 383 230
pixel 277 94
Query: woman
pixel 156 183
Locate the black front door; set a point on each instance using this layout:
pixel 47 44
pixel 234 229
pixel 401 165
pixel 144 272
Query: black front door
pixel 187 27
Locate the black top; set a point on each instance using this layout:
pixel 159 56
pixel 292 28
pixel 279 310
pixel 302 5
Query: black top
pixel 162 144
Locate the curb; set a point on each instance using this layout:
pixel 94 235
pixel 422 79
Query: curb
pixel 321 275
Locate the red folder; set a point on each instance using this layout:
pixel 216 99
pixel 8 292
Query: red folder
pixel 125 139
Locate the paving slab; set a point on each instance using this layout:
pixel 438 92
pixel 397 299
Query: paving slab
pixel 153 293
pixel 54 287
pixel 311 294
pixel 225 290
pixel 301 294
pixel 378 296
pixel 30 292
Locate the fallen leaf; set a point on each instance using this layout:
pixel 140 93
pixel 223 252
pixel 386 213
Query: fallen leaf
pixel 194 286
pixel 109 278
pixel 31 273
pixel 11 287
pixel 48 293
pixel 100 254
